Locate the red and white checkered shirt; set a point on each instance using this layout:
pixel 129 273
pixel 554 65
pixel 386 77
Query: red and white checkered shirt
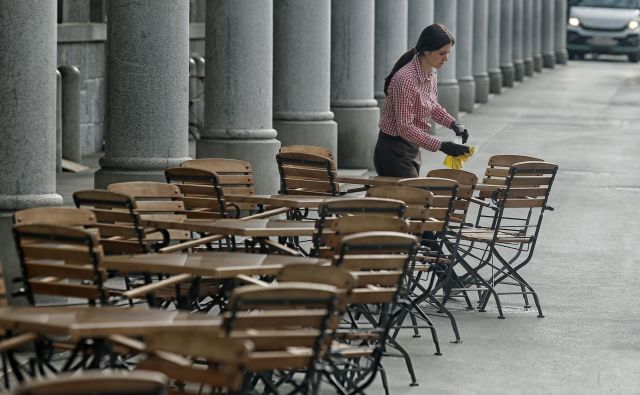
pixel 412 99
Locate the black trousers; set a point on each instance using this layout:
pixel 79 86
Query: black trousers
pixel 396 157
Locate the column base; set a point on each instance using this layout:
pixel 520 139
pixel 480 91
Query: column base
pixel 495 81
pixel 482 88
pixel 528 67
pixel 261 153
pixel 318 133
pixel 562 57
pixel 537 64
pixel 548 60
pixel 104 177
pixel 467 94
pixel 508 75
pixel 519 70
pixel 449 97
pixel 357 135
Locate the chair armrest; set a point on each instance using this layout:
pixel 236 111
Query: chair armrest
pixel 149 288
pixel 128 342
pixel 250 280
pixel 190 243
pixel 17 341
pixel 282 248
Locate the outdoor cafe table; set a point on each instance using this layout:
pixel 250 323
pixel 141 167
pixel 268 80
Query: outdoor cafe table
pixel 217 265
pixel 290 201
pixel 79 322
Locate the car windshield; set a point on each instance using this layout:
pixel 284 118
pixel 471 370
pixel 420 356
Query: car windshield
pixel 608 3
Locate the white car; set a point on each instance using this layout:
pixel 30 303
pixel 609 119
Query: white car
pixel 604 27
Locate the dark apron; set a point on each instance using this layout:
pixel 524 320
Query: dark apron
pixel 396 157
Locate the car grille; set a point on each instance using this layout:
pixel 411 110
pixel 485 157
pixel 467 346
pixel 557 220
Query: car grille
pixel 604 29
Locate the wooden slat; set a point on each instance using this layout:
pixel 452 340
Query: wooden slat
pixel 235 179
pixel 239 190
pixel 308 149
pixel 219 165
pixel 55 215
pixel 305 172
pixel 121 246
pixel 191 203
pixel 524 203
pixel 86 272
pixel 147 189
pixel 508 160
pixel 314 185
pixel 198 189
pixel 159 205
pixel 112 216
pixel 124 231
pixel 72 254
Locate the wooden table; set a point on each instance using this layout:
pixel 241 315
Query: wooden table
pixel 238 227
pixel 218 265
pixel 291 201
pixel 81 322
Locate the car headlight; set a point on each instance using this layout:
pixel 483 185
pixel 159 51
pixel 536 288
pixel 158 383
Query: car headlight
pixel 633 25
pixel 573 21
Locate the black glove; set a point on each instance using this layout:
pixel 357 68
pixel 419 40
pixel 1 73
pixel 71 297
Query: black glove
pixel 453 149
pixel 460 130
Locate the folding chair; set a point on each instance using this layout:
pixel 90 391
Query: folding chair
pixel 506 230
pixel 99 383
pixel 234 177
pixel 291 326
pixel 198 360
pixel 380 261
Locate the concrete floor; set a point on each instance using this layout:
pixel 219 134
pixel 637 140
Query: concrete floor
pixel 583 117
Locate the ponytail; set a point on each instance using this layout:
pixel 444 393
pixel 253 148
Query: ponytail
pixel 404 59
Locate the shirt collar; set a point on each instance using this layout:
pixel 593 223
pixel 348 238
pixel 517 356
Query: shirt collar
pixel 422 76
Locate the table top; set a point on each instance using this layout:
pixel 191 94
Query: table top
pixel 99 321
pixel 292 201
pixel 238 227
pixel 210 264
pixel 370 180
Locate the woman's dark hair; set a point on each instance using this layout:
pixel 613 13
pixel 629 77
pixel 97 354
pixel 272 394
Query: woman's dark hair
pixel 432 38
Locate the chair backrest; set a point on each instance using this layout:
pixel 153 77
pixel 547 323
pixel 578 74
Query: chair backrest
pixel 378 209
pixel 444 192
pixel 417 201
pixel 308 149
pixel 61 260
pixel 117 220
pixel 467 182
pixel 497 170
pixel 200 358
pixel 284 316
pixel 155 200
pixel 138 382
pixel 235 177
pixel 527 189
pixel 203 194
pixel 306 173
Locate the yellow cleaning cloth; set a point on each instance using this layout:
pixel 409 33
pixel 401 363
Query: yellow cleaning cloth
pixel 456 162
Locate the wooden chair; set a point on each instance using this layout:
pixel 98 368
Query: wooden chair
pixel 198 361
pixel 159 201
pixel 379 208
pixel 380 261
pixel 503 238
pixel 291 326
pixel 99 383
pixel 118 221
pixel 307 170
pixel 234 177
pixel 497 171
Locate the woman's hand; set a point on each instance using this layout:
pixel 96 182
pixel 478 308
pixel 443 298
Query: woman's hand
pixel 461 130
pixel 453 149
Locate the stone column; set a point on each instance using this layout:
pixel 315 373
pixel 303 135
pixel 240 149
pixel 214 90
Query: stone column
pixel 448 88
pixel 506 43
pixel 147 99
pixel 537 35
pixel 28 116
pixel 301 74
pixel 390 40
pixel 480 36
pixel 518 37
pixel 420 16
pixel 493 47
pixel 527 44
pixel 355 110
pixel 238 88
pixel 548 33
pixel 560 43
pixel 464 55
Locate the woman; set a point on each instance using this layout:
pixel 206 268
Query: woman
pixel 412 100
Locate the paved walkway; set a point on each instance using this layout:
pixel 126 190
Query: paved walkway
pixel 585 118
